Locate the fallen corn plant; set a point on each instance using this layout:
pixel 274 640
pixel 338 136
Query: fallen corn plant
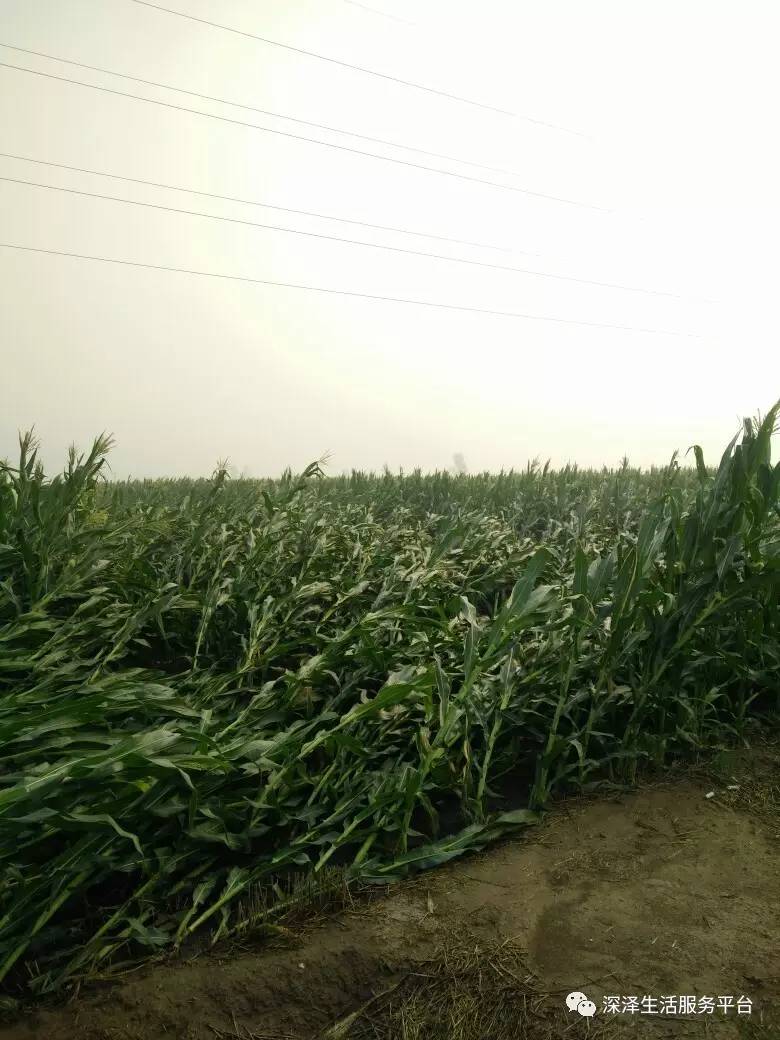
pixel 207 687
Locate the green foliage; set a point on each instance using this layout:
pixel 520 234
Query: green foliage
pixel 207 686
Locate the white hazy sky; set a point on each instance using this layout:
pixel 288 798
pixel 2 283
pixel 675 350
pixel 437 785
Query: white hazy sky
pixel 675 103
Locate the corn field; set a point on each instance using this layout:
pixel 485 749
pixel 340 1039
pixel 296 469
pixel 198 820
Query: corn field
pixel 208 687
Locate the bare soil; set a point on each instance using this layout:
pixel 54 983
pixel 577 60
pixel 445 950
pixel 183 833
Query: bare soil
pixel 652 892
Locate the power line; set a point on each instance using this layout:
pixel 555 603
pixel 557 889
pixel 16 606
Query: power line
pixel 355 68
pixel 299 137
pixel 343 241
pixel 262 111
pixel 375 10
pixel 349 292
pixel 254 202
pixel 323 57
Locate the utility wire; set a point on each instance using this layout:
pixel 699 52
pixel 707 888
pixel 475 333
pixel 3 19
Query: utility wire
pixel 262 111
pixel 264 205
pixel 299 137
pixel 344 241
pixel 375 10
pixel 348 292
pixel 355 68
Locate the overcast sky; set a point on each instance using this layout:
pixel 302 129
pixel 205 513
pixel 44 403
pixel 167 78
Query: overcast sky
pixel 663 127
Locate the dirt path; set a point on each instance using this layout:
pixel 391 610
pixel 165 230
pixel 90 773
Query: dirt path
pixel 657 892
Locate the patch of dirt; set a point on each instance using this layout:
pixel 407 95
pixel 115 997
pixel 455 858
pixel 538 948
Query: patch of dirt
pixel 656 892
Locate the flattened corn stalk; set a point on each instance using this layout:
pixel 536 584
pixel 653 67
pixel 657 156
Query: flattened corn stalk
pixel 206 686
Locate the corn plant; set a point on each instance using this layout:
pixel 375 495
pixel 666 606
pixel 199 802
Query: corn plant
pixel 208 687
